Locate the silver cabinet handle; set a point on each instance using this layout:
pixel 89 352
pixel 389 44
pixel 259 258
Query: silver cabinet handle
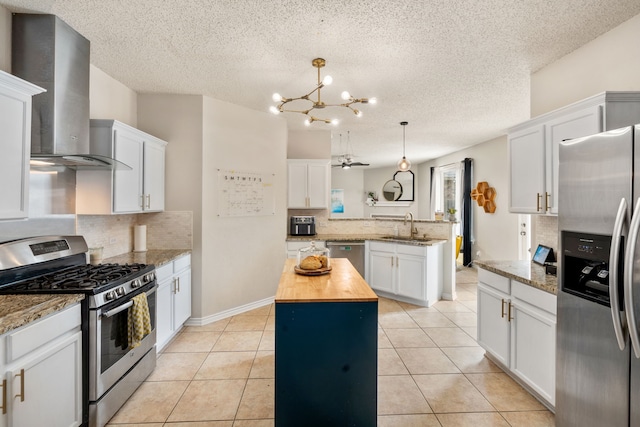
pixel 628 279
pixel 538 200
pixel 21 394
pixel 502 309
pixel 619 326
pixel 142 201
pixel 148 201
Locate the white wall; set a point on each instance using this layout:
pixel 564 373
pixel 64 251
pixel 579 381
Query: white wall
pixel 308 144
pixel 5 39
pixel 495 235
pixel 178 120
pixel 243 255
pixel 110 99
pixel 611 62
pixel 352 182
pixel 240 258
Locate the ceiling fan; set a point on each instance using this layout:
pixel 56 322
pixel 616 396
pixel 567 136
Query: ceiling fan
pixel 345 161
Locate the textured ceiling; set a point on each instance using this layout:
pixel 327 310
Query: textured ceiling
pixel 458 71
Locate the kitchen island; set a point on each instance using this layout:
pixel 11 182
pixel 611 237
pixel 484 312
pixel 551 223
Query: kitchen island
pixel 326 346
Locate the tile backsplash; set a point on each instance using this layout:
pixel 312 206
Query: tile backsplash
pixel 546 232
pixel 114 233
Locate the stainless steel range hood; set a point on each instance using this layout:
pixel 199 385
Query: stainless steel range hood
pixel 48 52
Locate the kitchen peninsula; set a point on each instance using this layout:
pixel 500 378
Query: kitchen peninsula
pixel 325 348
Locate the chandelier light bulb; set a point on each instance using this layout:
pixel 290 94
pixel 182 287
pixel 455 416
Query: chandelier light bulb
pixel 346 166
pixel 307 122
pixel 358 113
pixel 327 80
pixel 276 97
pixel 346 95
pixel 373 100
pixel 335 122
pixel 274 110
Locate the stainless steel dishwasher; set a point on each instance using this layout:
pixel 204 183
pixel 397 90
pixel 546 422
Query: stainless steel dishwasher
pixel 352 250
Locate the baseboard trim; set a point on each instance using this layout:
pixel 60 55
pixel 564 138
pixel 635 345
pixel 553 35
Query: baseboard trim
pixel 201 321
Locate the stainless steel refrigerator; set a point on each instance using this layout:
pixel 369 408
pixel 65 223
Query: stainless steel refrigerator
pixel 598 347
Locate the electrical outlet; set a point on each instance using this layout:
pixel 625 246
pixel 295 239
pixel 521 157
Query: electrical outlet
pixel 113 240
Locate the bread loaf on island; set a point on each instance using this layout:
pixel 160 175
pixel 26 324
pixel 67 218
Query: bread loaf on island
pixel 312 262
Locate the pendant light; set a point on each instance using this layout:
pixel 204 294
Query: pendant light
pixel 404 164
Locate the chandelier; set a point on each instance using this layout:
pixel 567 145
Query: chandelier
pixel 318 104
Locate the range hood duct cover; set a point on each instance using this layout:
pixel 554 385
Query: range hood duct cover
pixel 49 53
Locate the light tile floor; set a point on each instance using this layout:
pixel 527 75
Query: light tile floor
pixel 431 372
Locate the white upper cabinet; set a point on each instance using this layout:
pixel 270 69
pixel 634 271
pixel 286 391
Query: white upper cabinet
pixel 308 184
pixel 533 146
pixel 15 131
pixel 139 189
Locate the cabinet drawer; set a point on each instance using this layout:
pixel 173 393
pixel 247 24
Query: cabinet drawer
pixel 42 331
pixel 164 272
pixel 411 250
pixel 381 246
pixel 181 263
pixel 494 280
pixel 536 297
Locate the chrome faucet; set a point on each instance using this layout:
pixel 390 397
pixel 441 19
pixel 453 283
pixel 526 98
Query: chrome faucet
pixel 412 230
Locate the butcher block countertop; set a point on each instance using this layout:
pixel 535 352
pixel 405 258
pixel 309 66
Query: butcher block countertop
pixel 342 284
pixel 18 310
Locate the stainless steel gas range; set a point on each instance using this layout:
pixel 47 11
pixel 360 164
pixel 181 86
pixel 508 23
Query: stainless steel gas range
pixel 113 365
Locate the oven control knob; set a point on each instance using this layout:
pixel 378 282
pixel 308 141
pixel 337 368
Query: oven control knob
pixel 109 296
pixel 120 291
pixel 136 283
pixel 149 277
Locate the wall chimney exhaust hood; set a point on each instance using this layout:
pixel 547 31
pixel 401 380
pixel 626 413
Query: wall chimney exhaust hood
pixel 49 53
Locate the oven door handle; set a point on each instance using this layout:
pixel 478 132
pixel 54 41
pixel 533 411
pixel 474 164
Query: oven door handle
pixel 123 307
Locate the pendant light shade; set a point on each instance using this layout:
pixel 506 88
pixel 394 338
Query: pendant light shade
pixel 404 164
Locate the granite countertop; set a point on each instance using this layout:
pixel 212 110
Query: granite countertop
pixel 523 271
pixel 156 257
pixel 18 310
pixel 377 237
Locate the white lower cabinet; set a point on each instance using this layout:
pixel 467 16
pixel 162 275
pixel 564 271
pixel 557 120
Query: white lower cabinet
pixel 42 366
pixel 517 328
pixel 174 298
pixel 406 272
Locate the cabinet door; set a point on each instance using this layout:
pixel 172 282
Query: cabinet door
pixel 182 298
pixel 493 323
pixel 153 177
pixel 164 313
pixel 127 186
pixel 411 276
pixel 318 185
pixel 576 125
pixel 533 349
pixel 15 125
pixel 297 185
pixel 381 270
pixel 50 383
pixel 527 170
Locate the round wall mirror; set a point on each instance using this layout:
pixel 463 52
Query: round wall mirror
pixel 392 190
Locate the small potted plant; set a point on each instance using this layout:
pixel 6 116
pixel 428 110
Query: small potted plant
pixel 452 214
pixel 371 198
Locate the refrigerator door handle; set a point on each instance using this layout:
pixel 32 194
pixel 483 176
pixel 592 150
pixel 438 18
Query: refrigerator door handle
pixel 614 258
pixel 628 279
